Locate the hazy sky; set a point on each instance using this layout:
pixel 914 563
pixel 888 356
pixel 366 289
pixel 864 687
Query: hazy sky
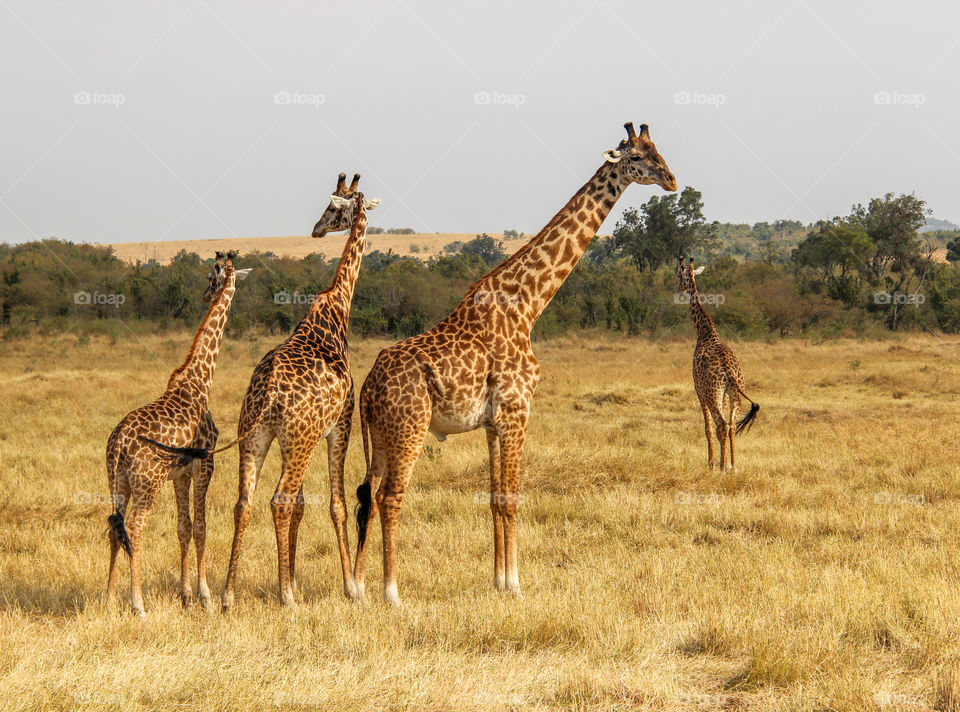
pixel 131 121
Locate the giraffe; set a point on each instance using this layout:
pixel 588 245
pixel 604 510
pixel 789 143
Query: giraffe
pixel 717 375
pixel 300 392
pixel 136 470
pixel 476 369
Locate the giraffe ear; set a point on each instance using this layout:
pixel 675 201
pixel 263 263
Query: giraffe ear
pixel 242 273
pixel 698 270
pixel 612 156
pixel 338 202
pixel 371 203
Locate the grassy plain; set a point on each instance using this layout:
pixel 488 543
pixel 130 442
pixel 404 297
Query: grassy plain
pixel 822 574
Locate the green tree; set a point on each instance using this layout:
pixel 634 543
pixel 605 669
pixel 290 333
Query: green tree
pixel 665 228
pixel 834 254
pixel 901 259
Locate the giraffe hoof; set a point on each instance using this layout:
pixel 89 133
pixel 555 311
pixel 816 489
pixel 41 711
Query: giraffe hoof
pixel 226 602
pixel 286 598
pixel 391 596
pixel 139 613
pixel 206 604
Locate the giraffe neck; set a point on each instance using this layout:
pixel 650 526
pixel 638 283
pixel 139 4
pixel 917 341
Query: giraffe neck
pixel 196 373
pixel 701 320
pixel 348 268
pixel 525 283
pixel 345 277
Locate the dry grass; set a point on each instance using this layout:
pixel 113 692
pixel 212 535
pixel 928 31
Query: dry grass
pixel 821 575
pixel 428 245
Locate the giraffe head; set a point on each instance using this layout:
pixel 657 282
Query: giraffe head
pixel 686 284
pixel 221 273
pixel 339 213
pixel 637 160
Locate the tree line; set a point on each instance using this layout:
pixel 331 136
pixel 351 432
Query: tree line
pixel 865 272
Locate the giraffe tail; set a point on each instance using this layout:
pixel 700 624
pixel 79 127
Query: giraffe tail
pixel 177 456
pixel 118 531
pixel 364 497
pixel 746 422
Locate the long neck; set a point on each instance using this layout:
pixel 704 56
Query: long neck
pixel 348 268
pixel 528 280
pixel 701 320
pixel 196 373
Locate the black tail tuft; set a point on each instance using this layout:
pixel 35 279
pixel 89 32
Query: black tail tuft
pixel 178 456
pixel 118 531
pixel 747 421
pixel 362 512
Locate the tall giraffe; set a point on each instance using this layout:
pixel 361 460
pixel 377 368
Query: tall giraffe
pixel 300 392
pixel 136 469
pixel 717 375
pixel 476 369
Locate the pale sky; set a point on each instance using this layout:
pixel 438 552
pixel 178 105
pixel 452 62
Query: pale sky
pixel 127 121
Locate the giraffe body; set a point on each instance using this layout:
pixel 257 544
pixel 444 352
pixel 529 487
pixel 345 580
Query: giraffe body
pixel 299 393
pixel 476 369
pixel 136 469
pixel 717 375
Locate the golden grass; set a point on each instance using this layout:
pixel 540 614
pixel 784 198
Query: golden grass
pixel 427 245
pixel 821 575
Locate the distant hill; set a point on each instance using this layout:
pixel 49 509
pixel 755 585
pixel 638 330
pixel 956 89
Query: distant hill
pixel 936 224
pixel 419 245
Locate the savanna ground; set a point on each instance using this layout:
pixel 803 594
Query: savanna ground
pixel 821 575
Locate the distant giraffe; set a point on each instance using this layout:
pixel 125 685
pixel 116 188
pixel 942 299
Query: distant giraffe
pixel 136 469
pixel 476 368
pixel 717 375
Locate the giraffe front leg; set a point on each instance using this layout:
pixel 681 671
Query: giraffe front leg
pixel 337 442
pixel 200 486
pixel 513 433
pixel 181 487
pixel 496 508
